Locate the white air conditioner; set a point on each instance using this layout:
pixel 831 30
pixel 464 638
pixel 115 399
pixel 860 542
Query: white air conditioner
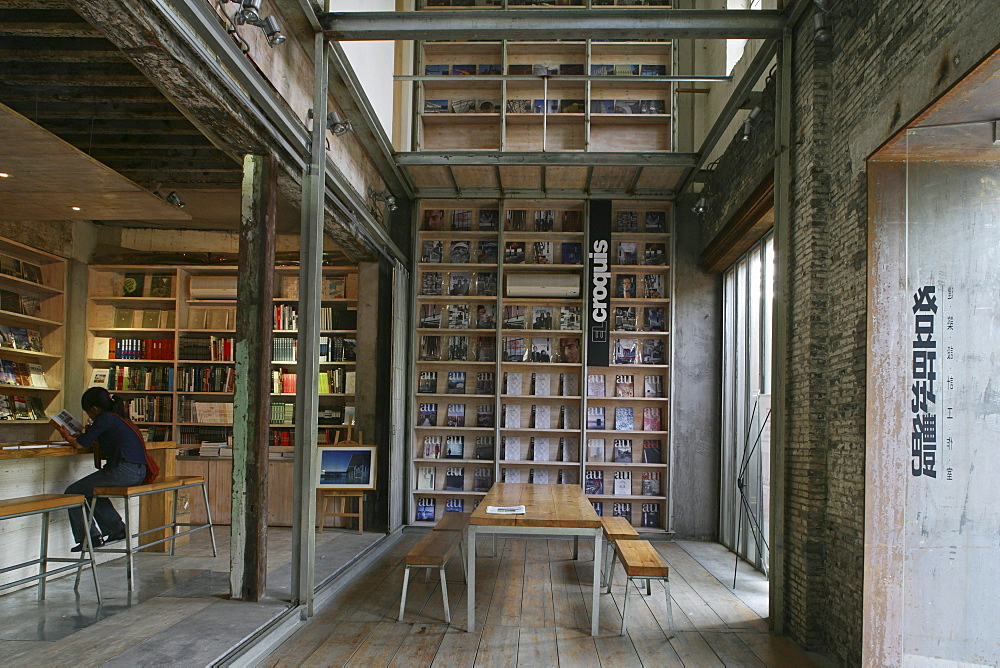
pixel 213 287
pixel 542 285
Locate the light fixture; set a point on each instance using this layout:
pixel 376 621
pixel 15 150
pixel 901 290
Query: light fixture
pixel 272 31
pixel 699 208
pixel 337 125
pixel 175 199
pixel 383 196
pixel 821 31
pixel 75 208
pixel 249 14
pixel 748 123
pixel 4 175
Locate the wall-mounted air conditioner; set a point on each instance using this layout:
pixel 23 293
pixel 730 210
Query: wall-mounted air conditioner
pixel 213 287
pixel 542 285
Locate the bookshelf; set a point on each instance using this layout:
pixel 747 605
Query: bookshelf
pixel 32 339
pixel 163 338
pixel 503 392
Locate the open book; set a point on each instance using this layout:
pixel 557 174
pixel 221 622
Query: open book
pixel 66 419
pixel 504 510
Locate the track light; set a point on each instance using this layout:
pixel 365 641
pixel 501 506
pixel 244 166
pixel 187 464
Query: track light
pixel 383 196
pixel 175 199
pixel 699 208
pixel 748 124
pixel 272 31
pixel 336 124
pixel 821 31
pixel 249 12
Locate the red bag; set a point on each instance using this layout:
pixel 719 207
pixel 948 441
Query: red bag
pixel 152 468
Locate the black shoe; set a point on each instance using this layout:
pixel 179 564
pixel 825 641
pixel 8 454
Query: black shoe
pixel 96 542
pixel 114 537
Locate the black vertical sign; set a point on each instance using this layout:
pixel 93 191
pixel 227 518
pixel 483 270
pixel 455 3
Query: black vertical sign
pixel 599 284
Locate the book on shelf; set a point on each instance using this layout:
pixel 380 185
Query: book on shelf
pixel 626 351
pixel 541 416
pixel 458 348
pixel 458 283
pixel 7 337
pixel 541 350
pixel 486 252
pixel 566 477
pixel 512 416
pixel 133 284
pixel 512 383
pixel 489 220
pixel 650 483
pixel 425 478
pixel 652 286
pixel 569 318
pixel 517 220
pixel 595 417
pixel 427 416
pixel 595 385
pixel 454 479
pixel 652 351
pixel 161 285
pixel 569 384
pixel 595 449
pixel 653 386
pixel 513 317
pixel 454 447
pixel 123 318
pixel 513 252
pixel 454 506
pixel 625 319
pixel 430 348
pixel 36 375
pixel 482 479
pixel 623 510
pixel 459 252
pixel 593 483
pixel 569 350
pixel 456 415
pixel 31 272
pixel 486 316
pixel 571 253
pixel 434 218
pixel 624 418
pixel 541 317
pixel 540 449
pixel 656 221
pixel 654 319
pixel 625 286
pixel 569 449
pixel 485 416
pixel 484 447
pixel 432 251
pixel 432 447
pixel 538 476
pixel 627 221
pixel 510 474
pixel 651 419
pixel 623 483
pixel 458 316
pixel 66 419
pixel 486 284
pixel 655 254
pixel 431 283
pixel 428 382
pixel 485 382
pixel 544 220
pixel 623 450
pixel 512 448
pixel 652 451
pixel 628 253
pixel 31 306
pixel 461 221
pixel 598 508
pixel 430 316
pixel 624 385
pixel 541 252
pixel 425 509
pixel 541 384
pixel 456 382
pixel 485 349
pixel 651 515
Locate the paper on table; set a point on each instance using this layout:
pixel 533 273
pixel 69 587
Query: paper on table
pixel 505 510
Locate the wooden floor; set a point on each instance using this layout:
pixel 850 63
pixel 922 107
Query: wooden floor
pixel 532 609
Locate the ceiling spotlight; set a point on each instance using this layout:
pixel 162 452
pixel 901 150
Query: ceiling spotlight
pixel 383 196
pixel 175 199
pixel 821 30
pixel 699 208
pixel 272 31
pixel 249 12
pixel 4 175
pixel 748 124
pixel 336 124
pixel 75 208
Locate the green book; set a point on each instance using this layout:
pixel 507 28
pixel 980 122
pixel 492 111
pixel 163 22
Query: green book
pixel 133 284
pixel 124 317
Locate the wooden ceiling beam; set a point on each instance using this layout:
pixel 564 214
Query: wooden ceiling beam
pixel 30 56
pixel 78 81
pixel 122 127
pixel 48 29
pixel 33 4
pixel 81 132
pixel 108 110
pixel 58 92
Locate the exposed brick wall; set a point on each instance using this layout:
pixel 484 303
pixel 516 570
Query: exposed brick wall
pixel 887 60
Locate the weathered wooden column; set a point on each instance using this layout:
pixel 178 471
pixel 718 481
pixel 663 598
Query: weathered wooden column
pixel 252 400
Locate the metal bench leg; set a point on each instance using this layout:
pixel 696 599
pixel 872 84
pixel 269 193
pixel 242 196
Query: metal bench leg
pixel 461 557
pixel 607 559
pixel 43 555
pixel 427 575
pixel 208 517
pixel 649 587
pixel 611 572
pixel 670 611
pixel 444 595
pixel 628 581
pixel 88 518
pixel 173 525
pixel 402 601
pixel 576 548
pixel 128 546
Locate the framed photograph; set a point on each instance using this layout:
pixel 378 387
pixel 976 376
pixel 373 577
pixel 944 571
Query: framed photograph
pixel 347 467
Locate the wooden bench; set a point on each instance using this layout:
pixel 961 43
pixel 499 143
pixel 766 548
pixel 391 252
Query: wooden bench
pixel 641 561
pixel 434 550
pixel 453 522
pixel 615 529
pixel 174 484
pixel 45 504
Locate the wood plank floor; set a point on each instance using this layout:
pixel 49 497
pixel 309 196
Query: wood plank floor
pixel 533 606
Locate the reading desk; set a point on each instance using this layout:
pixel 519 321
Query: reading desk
pixel 560 510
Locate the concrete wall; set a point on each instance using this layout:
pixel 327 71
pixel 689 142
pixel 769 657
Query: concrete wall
pixel 887 60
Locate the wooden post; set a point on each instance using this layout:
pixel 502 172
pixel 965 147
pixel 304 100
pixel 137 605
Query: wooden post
pixel 252 399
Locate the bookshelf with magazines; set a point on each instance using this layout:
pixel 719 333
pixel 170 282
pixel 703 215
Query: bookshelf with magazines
pixel 162 336
pixel 500 382
pixel 32 340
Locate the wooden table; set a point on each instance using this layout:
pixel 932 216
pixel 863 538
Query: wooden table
pixel 560 510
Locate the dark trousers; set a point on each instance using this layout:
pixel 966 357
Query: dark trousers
pixel 108 519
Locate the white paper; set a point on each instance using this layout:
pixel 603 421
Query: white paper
pixel 505 510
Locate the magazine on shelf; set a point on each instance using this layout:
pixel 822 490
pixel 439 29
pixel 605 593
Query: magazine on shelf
pixel 626 351
pixel 651 419
pixel 655 254
pixel 427 416
pixel 511 474
pixel 623 510
pixel 485 382
pixel 482 480
pixel 595 385
pixel 651 515
pixel 540 449
pixel 428 382
pixel 625 320
pixel 430 348
pixel 625 286
pixel 569 384
pixel 454 506
pixel 432 447
pixel 431 283
pixel 425 509
pixel 598 508
pixel 541 350
pixel 486 284
pixel 624 385
pixel 99 377
pixel 541 384
pixel 655 319
pixel 512 448
pixel 456 382
pixel 512 383
pixel 458 284
pixel 541 252
pixel 656 221
pixel 627 221
pixel 512 416
pixel 653 386
pixel 624 418
pixel 623 483
pixel 623 450
pixel 569 449
pixel 593 483
pixel 652 286
pixel 650 483
pixel 513 317
pixel 538 476
pixel 486 316
pixel 652 351
pixel 628 252
pixel 460 252
pixel 484 447
pixel 458 348
pixel 454 479
pixel 651 452
pixel 570 416
pixel 458 316
pixel 541 317
pixel 489 220
pixel 456 415
pixel 425 478
pixel 485 415
pixel 572 253
pixel 487 252
pixel 541 417
pixel 569 318
pixel 432 251
pixel 595 417
pixel 569 350
pixel 461 221
pixel 513 252
pixel 454 447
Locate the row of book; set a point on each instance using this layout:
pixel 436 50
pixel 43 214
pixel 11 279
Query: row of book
pixel 122 378
pixel 135 284
pixel 540 449
pixel 652 386
pixel 460 284
pixel 151 409
pixel 485 383
pixel 208 379
pixel 624 419
pixel 461 316
pixel 16 407
pixel 542 416
pixel 286 318
pixel 622 452
pixel 454 479
pixel 456 348
pixel 150 318
pixel 23 374
pixel 204 412
pixel 13 302
pixel 487 220
pixel 455 417
pixel 626 319
pixel 515 252
pixel 621 483
pixel 453 447
pixel 650 513
pixel 134 349
pixel 332 381
pixel 282 413
pixel 543 106
pixel 216 318
pixel 546 70
pixel 22 269
pixel 20 338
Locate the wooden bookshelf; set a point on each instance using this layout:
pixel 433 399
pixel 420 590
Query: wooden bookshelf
pixel 520 413
pixel 32 339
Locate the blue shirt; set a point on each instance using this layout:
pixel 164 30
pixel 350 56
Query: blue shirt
pixel 117 439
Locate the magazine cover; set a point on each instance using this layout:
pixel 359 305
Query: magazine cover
pixel 538 476
pixel 485 382
pixel 625 351
pixel 454 479
pixel 651 515
pixel 486 284
pixel 431 283
pixel 655 254
pixel 623 450
pixel 594 482
pixel 656 221
pixel 425 510
pixel 434 220
pixel 458 348
pixel 456 415
pixel 569 350
pixel 512 383
pixel 432 251
pixel 627 221
pixel 652 351
pixel 541 384
pixel 655 319
pixel 541 252
pixel 458 284
pixel 625 319
pixel 572 253
pixel 456 382
pixel 595 385
pixel 486 349
pixel 427 417
pixel 454 447
pixel 484 447
pixel 651 452
pixel 516 220
pixel 460 252
pixel 541 317
pixel 541 350
pixel 541 417
pixel 512 416
pixel 461 220
pixel 428 382
pixel 623 483
pixel 487 253
pixel 569 318
pixel 488 220
pixel 513 349
pixel 569 384
pixel 625 286
pixel 540 449
pixel 595 417
pixel 430 348
pixel 482 480
pixel 624 386
pixel 513 317
pixel 454 506
pixel 432 447
pixel 513 252
pixel 652 286
pixel 430 316
pixel 484 415
pixel 511 475
pixel 458 316
pixel 571 221
pixel 598 508
pixel 623 510
pixel 425 478
pixel 650 483
pixel 628 252
pixel 624 418
pixel 651 419
pixel 653 386
pixel 512 448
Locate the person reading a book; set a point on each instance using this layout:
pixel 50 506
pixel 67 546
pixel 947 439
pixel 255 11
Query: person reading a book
pixel 120 445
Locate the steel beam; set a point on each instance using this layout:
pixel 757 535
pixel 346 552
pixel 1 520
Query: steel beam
pixel 676 78
pixel 451 158
pixel 554 24
pixel 550 193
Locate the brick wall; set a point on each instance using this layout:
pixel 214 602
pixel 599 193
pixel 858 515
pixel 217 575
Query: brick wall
pixel 887 60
